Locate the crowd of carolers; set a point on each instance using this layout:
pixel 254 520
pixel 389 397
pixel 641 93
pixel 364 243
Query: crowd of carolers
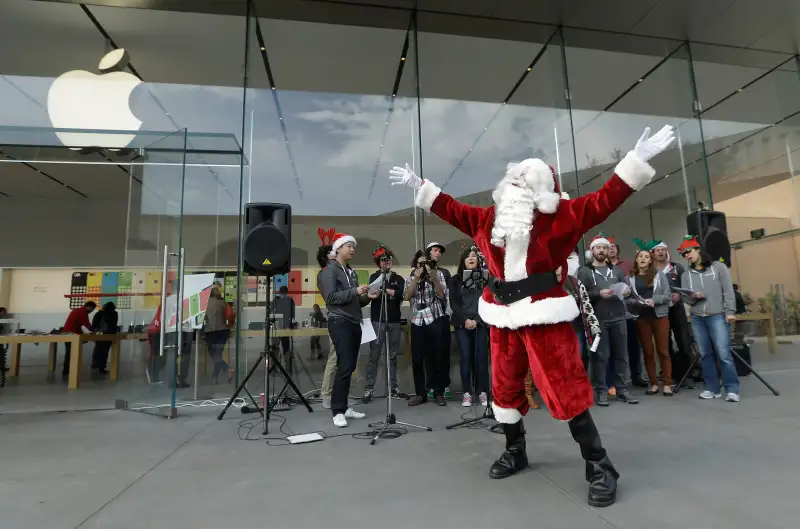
pixel 640 322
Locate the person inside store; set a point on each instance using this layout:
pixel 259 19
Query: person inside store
pixel 158 361
pixel 741 305
pixel 472 333
pixel 284 306
pixel 385 319
pixel 650 301
pixel 426 290
pixel 216 329
pixel 318 320
pixel 344 298
pixel 600 278
pixel 77 323
pixel 681 356
pixel 708 290
pixel 434 252
pixel 105 321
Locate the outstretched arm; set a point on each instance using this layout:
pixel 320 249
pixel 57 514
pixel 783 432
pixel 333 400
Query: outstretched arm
pixel 462 217
pixel 631 174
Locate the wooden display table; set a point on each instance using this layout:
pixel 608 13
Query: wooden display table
pixel 772 340
pixel 76 358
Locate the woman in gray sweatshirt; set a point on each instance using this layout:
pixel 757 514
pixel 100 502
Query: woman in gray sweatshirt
pixel 651 300
pixel 709 292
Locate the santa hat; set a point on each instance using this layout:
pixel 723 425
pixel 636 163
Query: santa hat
pixel 541 179
pixel 339 240
pixel 380 252
pixel 689 242
pixel 600 238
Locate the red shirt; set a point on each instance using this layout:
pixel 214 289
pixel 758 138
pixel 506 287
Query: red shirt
pixel 77 318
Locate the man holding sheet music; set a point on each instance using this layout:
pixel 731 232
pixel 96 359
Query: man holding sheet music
pixel 606 285
pixel 344 298
pixel 385 320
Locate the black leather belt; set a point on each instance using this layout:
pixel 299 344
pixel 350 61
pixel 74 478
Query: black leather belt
pixel 507 292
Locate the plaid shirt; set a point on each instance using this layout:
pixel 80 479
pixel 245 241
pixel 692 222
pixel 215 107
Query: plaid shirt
pixel 426 306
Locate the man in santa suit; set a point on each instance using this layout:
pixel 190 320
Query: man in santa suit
pixel 525 237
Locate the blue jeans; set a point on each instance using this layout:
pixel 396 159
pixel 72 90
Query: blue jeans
pixel 472 344
pixel 712 334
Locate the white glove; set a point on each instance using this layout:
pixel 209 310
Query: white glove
pixel 405 177
pixel 647 147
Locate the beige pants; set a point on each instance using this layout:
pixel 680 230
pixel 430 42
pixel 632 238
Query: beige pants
pixel 330 372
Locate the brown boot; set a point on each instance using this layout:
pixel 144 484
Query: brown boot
pixel 529 387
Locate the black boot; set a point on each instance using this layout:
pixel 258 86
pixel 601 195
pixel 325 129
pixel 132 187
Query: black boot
pixel 514 458
pixel 600 472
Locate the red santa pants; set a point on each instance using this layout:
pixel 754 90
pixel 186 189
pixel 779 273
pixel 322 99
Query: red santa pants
pixel 552 353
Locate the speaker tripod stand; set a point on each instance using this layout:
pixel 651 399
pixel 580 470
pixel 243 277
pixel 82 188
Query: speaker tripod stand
pixel 390 419
pixel 677 387
pixel 269 358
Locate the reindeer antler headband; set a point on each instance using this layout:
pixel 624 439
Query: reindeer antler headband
pixel 326 236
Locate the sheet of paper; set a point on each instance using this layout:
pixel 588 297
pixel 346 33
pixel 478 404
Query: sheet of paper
pixel 376 285
pixel 367 331
pixel 619 289
pixel 682 291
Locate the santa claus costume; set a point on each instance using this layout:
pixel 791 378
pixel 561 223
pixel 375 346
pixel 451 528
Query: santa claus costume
pixel 525 237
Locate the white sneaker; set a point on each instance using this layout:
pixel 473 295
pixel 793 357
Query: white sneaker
pixel 326 403
pixel 339 421
pixel 466 400
pixel 732 397
pixel 707 395
pixel 353 414
pixel 484 399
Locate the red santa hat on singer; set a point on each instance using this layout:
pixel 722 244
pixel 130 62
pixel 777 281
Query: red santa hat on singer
pixel 339 240
pixel 597 240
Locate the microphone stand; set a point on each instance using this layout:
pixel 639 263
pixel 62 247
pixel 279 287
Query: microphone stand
pixel 390 417
pixel 487 411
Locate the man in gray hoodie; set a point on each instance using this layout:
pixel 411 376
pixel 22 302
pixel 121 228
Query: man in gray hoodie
pixel 713 307
pixel 598 277
pixel 344 298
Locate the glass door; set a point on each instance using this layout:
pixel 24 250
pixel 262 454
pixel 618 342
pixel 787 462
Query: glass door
pixel 156 314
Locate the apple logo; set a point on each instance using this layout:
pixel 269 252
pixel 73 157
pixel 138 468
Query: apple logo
pixel 83 100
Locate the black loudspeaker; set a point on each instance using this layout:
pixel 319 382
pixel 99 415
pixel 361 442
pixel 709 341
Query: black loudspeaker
pixel 711 231
pixel 267 246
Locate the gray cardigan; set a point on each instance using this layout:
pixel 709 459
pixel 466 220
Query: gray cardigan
pixel 662 294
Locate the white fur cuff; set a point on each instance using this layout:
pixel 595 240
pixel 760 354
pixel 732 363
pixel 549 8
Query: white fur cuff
pixel 634 172
pixel 426 194
pixel 506 415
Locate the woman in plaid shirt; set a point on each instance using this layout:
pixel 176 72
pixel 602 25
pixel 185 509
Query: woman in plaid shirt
pixel 426 290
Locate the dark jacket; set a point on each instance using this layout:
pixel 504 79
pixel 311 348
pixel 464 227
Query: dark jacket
pixel 339 288
pixel 396 283
pixel 464 303
pixel 105 321
pixel 607 310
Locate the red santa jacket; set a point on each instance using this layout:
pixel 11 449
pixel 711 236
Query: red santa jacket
pixel 553 237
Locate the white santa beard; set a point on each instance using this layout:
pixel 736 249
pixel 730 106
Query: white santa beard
pixel 513 213
pixel 512 226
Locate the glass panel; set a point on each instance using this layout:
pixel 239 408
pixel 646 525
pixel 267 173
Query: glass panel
pixel 751 120
pixel 479 114
pixel 330 109
pixel 645 83
pixel 154 249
